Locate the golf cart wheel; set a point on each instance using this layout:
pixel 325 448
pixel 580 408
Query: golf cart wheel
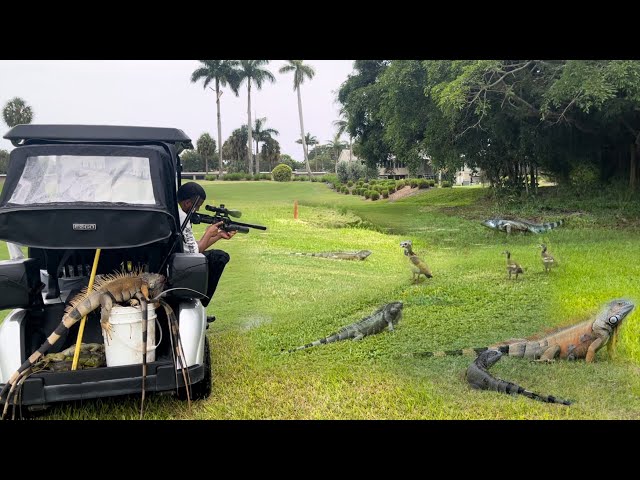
pixel 202 389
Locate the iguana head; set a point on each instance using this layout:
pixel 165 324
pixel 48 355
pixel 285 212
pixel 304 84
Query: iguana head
pixel 488 358
pixel 612 315
pixel 491 223
pixel 155 281
pixel 364 253
pixel 394 311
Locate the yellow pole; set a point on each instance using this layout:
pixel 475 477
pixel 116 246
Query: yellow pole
pixel 76 354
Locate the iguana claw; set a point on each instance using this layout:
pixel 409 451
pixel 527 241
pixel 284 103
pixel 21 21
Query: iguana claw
pixel 107 329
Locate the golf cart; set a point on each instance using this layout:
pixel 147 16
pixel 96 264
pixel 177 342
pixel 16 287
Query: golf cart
pixel 73 189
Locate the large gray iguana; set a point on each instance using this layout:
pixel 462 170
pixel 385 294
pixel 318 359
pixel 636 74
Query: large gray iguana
pixel 508 226
pixel 575 342
pixel 359 255
pixel 386 316
pixel 479 378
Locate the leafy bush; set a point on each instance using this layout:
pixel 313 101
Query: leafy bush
pixel 400 184
pixel 391 188
pixel 350 183
pixel 385 193
pixel 367 194
pixel 446 184
pixel 422 183
pixel 584 178
pixel 282 173
pixel 343 172
pixel 210 177
pixel 356 171
pixel 329 178
pixel 233 176
pixel 413 182
pixel 375 196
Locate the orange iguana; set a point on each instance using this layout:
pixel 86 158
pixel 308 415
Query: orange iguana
pixel 132 287
pixel 578 341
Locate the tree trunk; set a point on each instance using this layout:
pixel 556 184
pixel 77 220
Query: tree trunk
pixel 249 131
pixel 304 142
pixel 257 158
pixel 632 167
pixel 533 178
pixel 219 128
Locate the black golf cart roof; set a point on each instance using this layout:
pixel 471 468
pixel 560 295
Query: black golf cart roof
pixel 21 134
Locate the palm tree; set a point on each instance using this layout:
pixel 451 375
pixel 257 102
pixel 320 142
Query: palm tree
pixel 262 135
pixel 336 145
pixel 300 71
pixel 223 72
pixel 206 147
pixel 17 112
pixel 343 125
pixel 250 70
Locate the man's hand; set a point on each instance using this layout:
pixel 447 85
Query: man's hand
pixel 215 233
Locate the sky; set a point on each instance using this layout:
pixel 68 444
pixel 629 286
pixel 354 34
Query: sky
pixel 159 93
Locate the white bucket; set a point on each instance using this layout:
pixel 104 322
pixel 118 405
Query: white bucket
pixel 125 345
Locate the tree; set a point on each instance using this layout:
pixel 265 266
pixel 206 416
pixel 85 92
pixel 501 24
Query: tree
pixel 307 140
pixel 4 161
pixel 17 112
pixel 271 152
pixel 288 160
pixel 336 145
pixel 223 72
pixel 191 161
pixel 342 126
pixel 300 72
pixel 250 71
pixel 235 149
pixel 262 134
pixel 206 147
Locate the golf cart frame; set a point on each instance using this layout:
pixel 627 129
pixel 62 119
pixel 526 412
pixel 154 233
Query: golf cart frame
pixel 72 189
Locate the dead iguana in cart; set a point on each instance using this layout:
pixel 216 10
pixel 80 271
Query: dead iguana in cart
pixel 386 316
pixel 135 287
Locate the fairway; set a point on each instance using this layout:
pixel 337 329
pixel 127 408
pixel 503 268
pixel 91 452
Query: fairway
pixel 268 301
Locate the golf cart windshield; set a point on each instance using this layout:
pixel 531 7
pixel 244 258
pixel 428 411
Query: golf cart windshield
pixel 80 179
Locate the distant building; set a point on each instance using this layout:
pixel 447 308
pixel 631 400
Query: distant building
pixel 468 176
pixel 391 168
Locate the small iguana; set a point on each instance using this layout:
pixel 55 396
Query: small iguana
pixel 479 378
pixel 92 355
pixel 386 316
pixel 134 287
pixel 547 259
pixel 520 225
pixel 512 267
pixel 360 255
pixel 418 266
pixel 575 342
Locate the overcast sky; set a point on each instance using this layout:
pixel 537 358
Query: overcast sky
pixel 159 93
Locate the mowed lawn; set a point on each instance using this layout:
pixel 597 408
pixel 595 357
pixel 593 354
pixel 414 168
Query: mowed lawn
pixel 269 300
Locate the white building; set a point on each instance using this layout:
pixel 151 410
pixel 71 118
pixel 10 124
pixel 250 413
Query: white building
pixel 468 176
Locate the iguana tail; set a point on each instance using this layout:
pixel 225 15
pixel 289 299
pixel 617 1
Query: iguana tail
pixel 342 335
pixel 478 377
pixel 545 227
pixel 462 351
pixel 71 317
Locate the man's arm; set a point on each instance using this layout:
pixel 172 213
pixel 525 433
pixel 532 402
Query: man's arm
pixel 211 235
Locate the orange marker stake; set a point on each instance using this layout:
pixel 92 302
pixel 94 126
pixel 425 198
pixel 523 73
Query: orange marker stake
pixel 295 209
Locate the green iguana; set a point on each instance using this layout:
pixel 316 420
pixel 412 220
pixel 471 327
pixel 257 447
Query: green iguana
pixel 547 259
pixel 92 355
pixel 575 342
pixel 520 225
pixel 512 267
pixel 418 267
pixel 360 255
pixel 479 378
pixel 134 287
pixel 386 316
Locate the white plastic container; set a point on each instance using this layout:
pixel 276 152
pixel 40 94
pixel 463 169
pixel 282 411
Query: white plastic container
pixel 125 345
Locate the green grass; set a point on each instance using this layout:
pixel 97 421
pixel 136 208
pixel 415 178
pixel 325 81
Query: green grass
pixel 268 300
